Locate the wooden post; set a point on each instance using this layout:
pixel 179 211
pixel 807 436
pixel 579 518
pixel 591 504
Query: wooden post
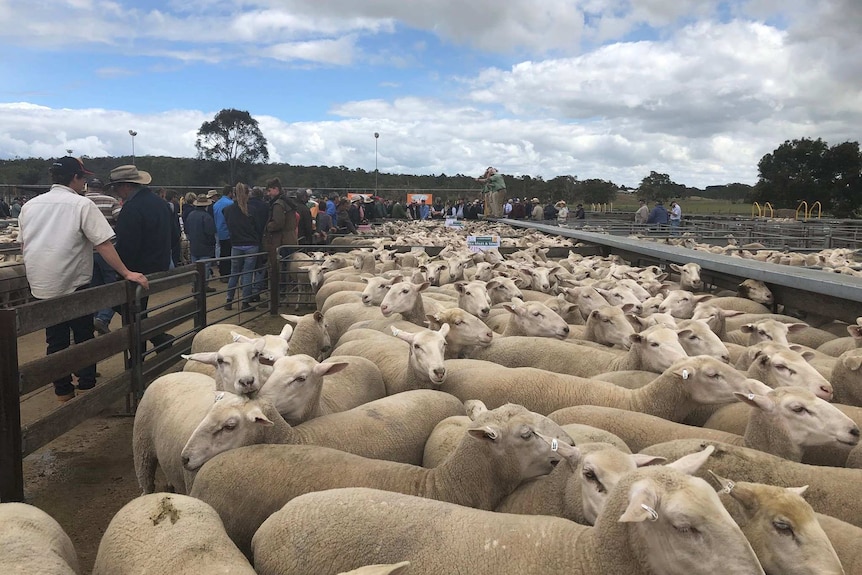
pixel 11 464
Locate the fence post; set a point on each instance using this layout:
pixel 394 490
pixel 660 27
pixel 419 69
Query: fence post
pixel 201 298
pixel 274 279
pixel 11 464
pixel 135 353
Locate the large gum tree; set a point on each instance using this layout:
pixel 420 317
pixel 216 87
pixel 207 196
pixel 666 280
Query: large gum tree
pixel 232 137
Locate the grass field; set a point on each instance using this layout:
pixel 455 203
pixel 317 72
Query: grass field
pixel 693 205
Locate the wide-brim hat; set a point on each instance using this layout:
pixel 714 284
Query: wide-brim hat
pixel 129 174
pixel 212 194
pixel 202 200
pixel 535 200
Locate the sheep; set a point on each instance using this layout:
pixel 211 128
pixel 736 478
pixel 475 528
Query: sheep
pixel 393 428
pixel 742 304
pixel 681 303
pixel 339 318
pixel 389 569
pixel 167 415
pixel 295 387
pixel 763 331
pixel 832 491
pixel 672 395
pixel 502 289
pixel 840 345
pixel 473 297
pixel 448 434
pixel 565 309
pixel 652 350
pixel 608 325
pixel 310 336
pixel 168 533
pixel 696 338
pixel 778 366
pixel 406 299
pixel 689 276
pixel 237 365
pixel 499 451
pixel 219 335
pixel 355 385
pixel 756 291
pixel 423 368
pixel 781 526
pixel 466 332
pixel 323 531
pixel 784 422
pixel 532 318
pixel 846 378
pixel 33 543
pixel 329 289
pixel 578 487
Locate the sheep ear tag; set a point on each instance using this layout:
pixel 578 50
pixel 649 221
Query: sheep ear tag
pixel 685 374
pixel 555 445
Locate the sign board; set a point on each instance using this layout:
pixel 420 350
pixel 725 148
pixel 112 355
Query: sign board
pixel 454 223
pixel 482 243
pixel 429 199
pixel 362 197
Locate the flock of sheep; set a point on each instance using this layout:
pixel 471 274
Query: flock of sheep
pixel 475 413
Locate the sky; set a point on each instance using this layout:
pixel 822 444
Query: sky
pixel 610 89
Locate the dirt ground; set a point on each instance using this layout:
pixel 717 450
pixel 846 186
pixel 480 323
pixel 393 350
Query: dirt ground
pixel 84 477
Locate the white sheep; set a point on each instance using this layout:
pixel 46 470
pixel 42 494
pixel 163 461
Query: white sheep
pixel 237 365
pixel 499 451
pixel 644 528
pixel 833 491
pixel 296 384
pixel 417 365
pixel 781 526
pixel 654 350
pixel 393 428
pixel 339 318
pixel 784 422
pixel 531 318
pixel 846 378
pixel 168 533
pixel 688 382
pixel 310 335
pixel 33 543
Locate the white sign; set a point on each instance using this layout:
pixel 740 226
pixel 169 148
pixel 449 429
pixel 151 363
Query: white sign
pixel 482 243
pixel 454 223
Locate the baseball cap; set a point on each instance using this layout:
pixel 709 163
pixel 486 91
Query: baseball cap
pixel 67 165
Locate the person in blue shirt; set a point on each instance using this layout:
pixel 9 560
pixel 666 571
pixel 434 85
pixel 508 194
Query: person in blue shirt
pixel 331 206
pixel 424 211
pixel 222 233
pixel 658 215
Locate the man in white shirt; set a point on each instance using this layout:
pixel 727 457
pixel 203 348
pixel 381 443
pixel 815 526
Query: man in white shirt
pixel 58 232
pixel 675 218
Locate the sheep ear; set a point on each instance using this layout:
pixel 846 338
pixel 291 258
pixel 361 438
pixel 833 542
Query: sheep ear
pixel 642 503
pixel 571 453
pixel 208 357
pixel 761 402
pixel 255 415
pixel 259 344
pixel 460 286
pixel 851 361
pixel 286 332
pixel 798 490
pixel 689 464
pixel 474 407
pixel 423 286
pixel 747 328
pixel 330 368
pixel 488 433
pixel 433 320
pixel 404 335
pixel 318 317
pixel 239 338
pixel 795 327
pixel 642 460
pixel 855 331
pixel 444 329
pixel 290 318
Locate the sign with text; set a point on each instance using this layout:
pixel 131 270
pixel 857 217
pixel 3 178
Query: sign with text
pixel 454 223
pixel 482 243
pixel 429 198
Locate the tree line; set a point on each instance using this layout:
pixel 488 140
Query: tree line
pixel 232 148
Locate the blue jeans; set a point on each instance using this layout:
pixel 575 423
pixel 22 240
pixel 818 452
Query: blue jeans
pixel 674 227
pixel 103 274
pixel 208 265
pixel 244 265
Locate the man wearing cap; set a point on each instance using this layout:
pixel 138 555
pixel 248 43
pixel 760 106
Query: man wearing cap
pixel 144 231
pixel 103 274
pixel 58 231
pixel 201 233
pixel 642 213
pixel 537 212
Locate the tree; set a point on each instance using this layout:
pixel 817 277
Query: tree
pixel 233 137
pixel 809 170
pixel 597 191
pixel 659 187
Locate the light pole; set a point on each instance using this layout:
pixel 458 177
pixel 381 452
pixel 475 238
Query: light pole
pixel 376 136
pixel 133 133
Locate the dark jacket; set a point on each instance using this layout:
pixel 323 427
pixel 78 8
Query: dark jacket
pixel 200 231
pixel 243 229
pixel 144 233
pixel 305 227
pixel 518 211
pixel 259 211
pixel 280 226
pixel 343 221
pixel 550 212
pixel 658 215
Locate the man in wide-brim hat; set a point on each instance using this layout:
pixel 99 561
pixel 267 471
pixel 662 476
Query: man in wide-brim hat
pixel 144 229
pixel 201 200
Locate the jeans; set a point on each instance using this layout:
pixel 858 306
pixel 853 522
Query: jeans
pixel 57 338
pixel 674 227
pixel 260 275
pixel 244 265
pixel 208 265
pixel 103 274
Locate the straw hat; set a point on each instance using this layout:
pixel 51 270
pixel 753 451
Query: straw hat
pixel 129 174
pixel 202 200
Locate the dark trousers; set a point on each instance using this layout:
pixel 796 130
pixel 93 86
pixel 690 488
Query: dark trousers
pixel 224 252
pixel 57 338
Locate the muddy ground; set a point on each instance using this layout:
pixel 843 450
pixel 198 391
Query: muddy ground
pixel 84 477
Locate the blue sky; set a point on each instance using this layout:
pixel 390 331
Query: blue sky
pixel 609 89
